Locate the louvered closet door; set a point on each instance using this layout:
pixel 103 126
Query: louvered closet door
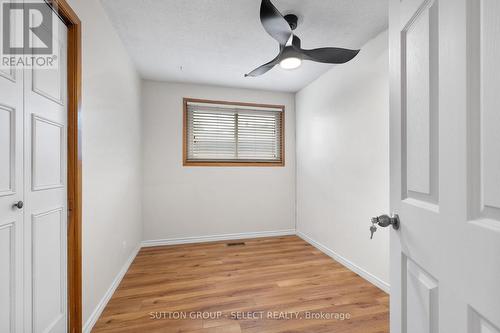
pixel 45 159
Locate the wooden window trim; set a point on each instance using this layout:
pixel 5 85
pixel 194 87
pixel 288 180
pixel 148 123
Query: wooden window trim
pixel 74 79
pixel 188 163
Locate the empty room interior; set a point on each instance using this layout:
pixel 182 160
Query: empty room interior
pixel 250 166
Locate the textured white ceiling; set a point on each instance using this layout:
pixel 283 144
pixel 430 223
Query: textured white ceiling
pixel 218 41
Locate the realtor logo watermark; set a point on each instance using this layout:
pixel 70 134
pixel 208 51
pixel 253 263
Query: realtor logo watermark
pixel 29 32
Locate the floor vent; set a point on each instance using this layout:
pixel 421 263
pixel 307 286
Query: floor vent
pixel 236 244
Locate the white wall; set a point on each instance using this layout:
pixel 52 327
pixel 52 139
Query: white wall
pixel 343 158
pixel 344 113
pixel 112 176
pixel 203 201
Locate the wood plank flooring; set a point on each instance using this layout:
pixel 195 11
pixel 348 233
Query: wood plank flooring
pixel 268 285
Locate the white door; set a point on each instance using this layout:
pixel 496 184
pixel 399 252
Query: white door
pixel 33 238
pixel 11 192
pixel 445 165
pixel 45 158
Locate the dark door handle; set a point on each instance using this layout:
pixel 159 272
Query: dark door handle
pixel 384 221
pixel 18 205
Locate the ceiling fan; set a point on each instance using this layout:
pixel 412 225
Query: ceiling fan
pixel 291 54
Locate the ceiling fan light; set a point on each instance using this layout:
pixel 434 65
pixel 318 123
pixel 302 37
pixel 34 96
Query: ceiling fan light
pixel 291 63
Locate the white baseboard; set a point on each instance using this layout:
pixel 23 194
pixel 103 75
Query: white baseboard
pixel 347 263
pixel 214 238
pixel 89 324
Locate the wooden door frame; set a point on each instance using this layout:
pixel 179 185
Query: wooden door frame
pixel 69 17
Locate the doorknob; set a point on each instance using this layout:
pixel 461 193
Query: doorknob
pixel 384 221
pixel 18 205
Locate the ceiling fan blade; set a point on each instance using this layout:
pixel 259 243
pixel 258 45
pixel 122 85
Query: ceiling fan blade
pixel 274 23
pixel 264 68
pixel 329 55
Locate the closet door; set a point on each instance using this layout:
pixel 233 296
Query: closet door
pixel 45 160
pixel 11 192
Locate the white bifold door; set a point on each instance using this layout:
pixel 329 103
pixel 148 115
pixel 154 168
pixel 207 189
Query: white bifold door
pixel 33 196
pixel 445 165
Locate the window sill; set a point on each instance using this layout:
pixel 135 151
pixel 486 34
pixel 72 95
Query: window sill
pixel 232 164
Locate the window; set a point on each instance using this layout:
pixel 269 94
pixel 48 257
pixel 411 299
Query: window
pixel 231 134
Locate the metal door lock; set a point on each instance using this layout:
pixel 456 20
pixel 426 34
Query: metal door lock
pixel 384 221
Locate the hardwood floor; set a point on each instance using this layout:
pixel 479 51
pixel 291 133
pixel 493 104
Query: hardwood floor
pixel 260 282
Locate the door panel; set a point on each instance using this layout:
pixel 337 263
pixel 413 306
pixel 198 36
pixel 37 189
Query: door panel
pixel 8 74
pixel 490 84
pixel 420 114
pixel 445 165
pixel 7 148
pixel 11 191
pixel 7 276
pixel 484 133
pixel 422 300
pixel 45 158
pixel 48 244
pixel 483 200
pixel 47 152
pixel 478 324
pixel 50 83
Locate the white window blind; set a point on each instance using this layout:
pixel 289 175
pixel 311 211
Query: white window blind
pixel 233 133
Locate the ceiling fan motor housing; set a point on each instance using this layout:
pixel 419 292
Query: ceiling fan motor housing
pixel 292 20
